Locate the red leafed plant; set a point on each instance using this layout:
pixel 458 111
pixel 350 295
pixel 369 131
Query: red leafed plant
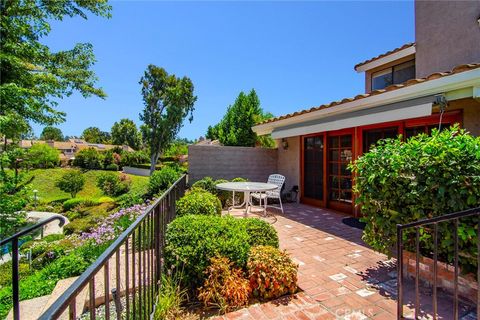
pixel 271 272
pixel 225 287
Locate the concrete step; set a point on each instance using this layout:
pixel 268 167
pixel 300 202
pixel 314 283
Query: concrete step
pixel 59 289
pixel 30 309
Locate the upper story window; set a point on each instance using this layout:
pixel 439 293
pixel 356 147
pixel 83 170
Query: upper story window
pixel 393 75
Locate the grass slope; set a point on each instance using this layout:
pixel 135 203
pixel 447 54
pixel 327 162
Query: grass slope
pixel 45 179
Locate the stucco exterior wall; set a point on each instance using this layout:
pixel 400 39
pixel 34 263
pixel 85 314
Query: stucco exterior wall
pixel 471 113
pixel 220 162
pixel 289 162
pixel 447 34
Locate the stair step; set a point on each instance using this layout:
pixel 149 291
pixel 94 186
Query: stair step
pixel 59 289
pixel 30 309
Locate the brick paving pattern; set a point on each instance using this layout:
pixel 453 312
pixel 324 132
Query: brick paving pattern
pixel 339 276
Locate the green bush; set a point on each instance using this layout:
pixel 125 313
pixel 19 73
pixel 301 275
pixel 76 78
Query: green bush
pixel 198 202
pixel 426 176
pixel 105 200
pixel 130 199
pixel 112 167
pixel 89 158
pixel 72 181
pixel 6 272
pixel 260 233
pixel 53 237
pixel 112 184
pixel 207 184
pixel 41 155
pixel 72 203
pixel 195 239
pixel 162 180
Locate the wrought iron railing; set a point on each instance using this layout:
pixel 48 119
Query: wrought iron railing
pixel 448 218
pixel 14 242
pixel 132 263
pixel 136 255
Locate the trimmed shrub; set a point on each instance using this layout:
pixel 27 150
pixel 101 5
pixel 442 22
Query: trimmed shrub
pixel 113 185
pixel 426 176
pixel 225 286
pixel 271 272
pixel 105 200
pixel 162 180
pixel 199 201
pixel 260 233
pixel 206 183
pixel 112 167
pixel 72 203
pixel 195 239
pixel 71 182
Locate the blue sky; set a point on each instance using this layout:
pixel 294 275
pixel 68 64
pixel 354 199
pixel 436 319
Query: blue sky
pixel 295 54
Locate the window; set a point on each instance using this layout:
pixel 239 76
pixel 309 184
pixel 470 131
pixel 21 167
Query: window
pixel 371 137
pixel 427 129
pixel 393 75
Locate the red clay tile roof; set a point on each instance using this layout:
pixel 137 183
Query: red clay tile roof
pixel 405 46
pixel 436 75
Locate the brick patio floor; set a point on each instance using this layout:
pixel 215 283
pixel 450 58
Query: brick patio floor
pixel 339 276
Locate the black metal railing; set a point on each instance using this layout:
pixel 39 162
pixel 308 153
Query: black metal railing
pixel 448 218
pixel 131 266
pixel 14 242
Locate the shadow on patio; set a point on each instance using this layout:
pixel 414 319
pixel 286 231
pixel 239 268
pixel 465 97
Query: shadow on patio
pixel 339 272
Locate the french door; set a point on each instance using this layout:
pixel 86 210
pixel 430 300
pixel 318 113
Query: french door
pixel 313 154
pixel 339 183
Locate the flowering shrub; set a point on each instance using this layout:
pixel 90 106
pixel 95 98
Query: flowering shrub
pixel 199 201
pixel 112 184
pixel 225 286
pixel 271 272
pixel 114 224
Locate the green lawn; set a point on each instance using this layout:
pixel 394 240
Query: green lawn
pixel 44 181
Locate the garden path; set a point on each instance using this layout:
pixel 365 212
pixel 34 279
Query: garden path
pixel 340 277
pixel 52 227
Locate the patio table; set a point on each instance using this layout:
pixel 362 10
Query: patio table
pixel 246 188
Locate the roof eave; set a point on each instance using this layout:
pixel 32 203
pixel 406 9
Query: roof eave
pixel 452 82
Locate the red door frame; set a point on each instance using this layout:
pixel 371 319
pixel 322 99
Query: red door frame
pixel 455 116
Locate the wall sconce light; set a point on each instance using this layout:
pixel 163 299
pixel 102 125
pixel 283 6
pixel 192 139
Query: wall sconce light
pixel 285 144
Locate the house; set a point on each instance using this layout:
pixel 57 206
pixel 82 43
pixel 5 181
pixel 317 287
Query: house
pixel 433 82
pixel 69 148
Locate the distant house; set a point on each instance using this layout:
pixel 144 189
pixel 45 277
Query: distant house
pixel 69 148
pixel 433 82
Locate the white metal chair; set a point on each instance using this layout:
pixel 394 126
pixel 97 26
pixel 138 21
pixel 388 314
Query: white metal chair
pixel 277 179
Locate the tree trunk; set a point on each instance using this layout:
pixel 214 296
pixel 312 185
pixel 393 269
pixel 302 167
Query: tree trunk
pixel 153 162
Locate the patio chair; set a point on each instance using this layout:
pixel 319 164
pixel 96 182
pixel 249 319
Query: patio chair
pixel 277 179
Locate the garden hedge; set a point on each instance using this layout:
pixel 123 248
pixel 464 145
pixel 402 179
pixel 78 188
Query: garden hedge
pixel 195 239
pixel 423 177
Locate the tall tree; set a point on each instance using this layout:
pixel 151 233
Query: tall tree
pixel 168 101
pixel 33 77
pixel 51 133
pixel 125 132
pixel 95 135
pixel 235 128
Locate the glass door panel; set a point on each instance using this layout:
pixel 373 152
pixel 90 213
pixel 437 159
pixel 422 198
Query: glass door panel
pixel 313 167
pixel 340 177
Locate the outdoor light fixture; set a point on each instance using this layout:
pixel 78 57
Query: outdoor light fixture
pixel 285 144
pixel 35 198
